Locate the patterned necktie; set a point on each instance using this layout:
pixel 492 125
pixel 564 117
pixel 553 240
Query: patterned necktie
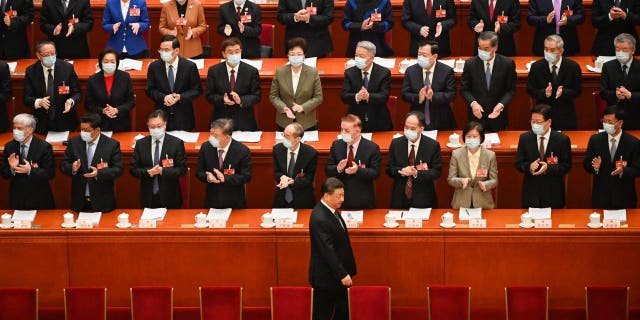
pixel 541 149
pixel 408 188
pixel 171 76
pixel 429 7
pixel 50 85
pixel 288 194
pixel 557 7
pixel 554 75
pixel 156 161
pixel 23 152
pixel 491 7
pixel 239 11
pixel 365 80
pixel 612 151
pixel 90 152
pixel 220 158
pixel 350 157
pixel 232 80
pixel 487 75
pixel 427 113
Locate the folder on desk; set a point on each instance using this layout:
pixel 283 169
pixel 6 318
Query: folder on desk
pixel 153 214
pixel 24 215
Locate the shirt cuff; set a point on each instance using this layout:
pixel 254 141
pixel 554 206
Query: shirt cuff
pixel 37 104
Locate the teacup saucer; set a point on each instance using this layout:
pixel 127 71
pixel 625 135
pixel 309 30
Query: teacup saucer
pixel 267 225
pixel 201 226
pixel 447 225
pixel 454 146
pixel 526 225
pixel 123 226
pixel 594 226
pixel 72 225
pixel 391 225
pixel 6 226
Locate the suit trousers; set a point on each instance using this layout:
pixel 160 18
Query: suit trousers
pixel 330 301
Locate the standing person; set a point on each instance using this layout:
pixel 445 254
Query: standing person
pixel 612 18
pixel 16 17
pixel 184 19
pixel 309 20
pixel 435 25
pixel 126 21
pixel 66 23
pixel 368 20
pixel 556 17
pixel 242 19
pixel 501 17
pixel 6 94
pixel 332 264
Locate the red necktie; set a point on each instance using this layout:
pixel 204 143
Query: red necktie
pixel 491 10
pixel 350 157
pixel 232 80
pixel 429 7
pixel 239 11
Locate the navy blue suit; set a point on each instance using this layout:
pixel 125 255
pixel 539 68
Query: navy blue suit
pixel 443 84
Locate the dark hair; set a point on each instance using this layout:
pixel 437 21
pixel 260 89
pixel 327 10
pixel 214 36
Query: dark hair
pixel 296 42
pixel 473 125
pixel 224 124
pixel 543 109
pixel 228 42
pixel 353 119
pixel 417 114
pixel 489 35
pixel 43 43
pixel 92 119
pixel 157 113
pixel 432 44
pixel 615 110
pixel 175 43
pixel 331 184
pixel 104 53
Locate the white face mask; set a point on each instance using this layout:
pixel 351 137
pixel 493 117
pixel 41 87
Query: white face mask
pixel 214 142
pixel 157 133
pixel 411 134
pixel 550 57
pixel 537 128
pixel 346 137
pixel 622 57
pixel 181 2
pixel 18 135
pixel 424 62
pixel 109 68
pixel 86 136
pixel 484 55
pixel 296 61
pixel 361 63
pixel 287 144
pixel 49 61
pixel 472 143
pixel 609 128
pixel 166 56
pixel 239 3
pixel 234 59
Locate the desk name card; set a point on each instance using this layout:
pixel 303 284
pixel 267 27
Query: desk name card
pixel 543 224
pixel 611 224
pixel 218 223
pixel 352 224
pixel 413 223
pixel 84 224
pixel 147 224
pixel 22 224
pixel 478 223
pixel 284 223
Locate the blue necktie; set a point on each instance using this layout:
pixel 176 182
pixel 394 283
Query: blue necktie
pixel 171 77
pixel 288 194
pixel 487 74
pixel 427 114
pixel 156 160
pixel 90 152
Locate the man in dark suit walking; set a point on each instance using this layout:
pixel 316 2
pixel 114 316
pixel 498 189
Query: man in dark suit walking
pixel 501 17
pixel 355 161
pixel 612 18
pixel 488 84
pixel 159 161
pixel 430 87
pixel 620 81
pixel 332 265
pixel 242 20
pixel 435 25
pixel 556 81
pixel 613 158
pixel 233 87
pixel 17 16
pixel 93 161
pixel 28 162
pixel 294 169
pixel 52 89
pixel 66 23
pixel 366 90
pixel 556 17
pixel 544 156
pixel 173 83
pixel 224 165
pixel 6 94
pixel 309 20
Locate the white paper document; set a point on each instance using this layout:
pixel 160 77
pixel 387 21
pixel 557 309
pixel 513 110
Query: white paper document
pixel 418 213
pixel 247 136
pixel 94 217
pixel 540 213
pixel 284 213
pixel 450 62
pixel 130 64
pixel 185 136
pixel 399 215
pixel 353 215
pixel 254 63
pixel 433 134
pixel 54 136
pixel 469 213
pixel 12 66
pixel 107 133
pixel 24 215
pixel 153 214
pixel 309 136
pixel 199 63
pixel 620 215
pixel 493 137
pixel 219 214
pixel 388 63
pixel 138 137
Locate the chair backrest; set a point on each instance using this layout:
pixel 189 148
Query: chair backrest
pixel 11 109
pixel 151 303
pixel 220 303
pixel 607 303
pixel 206 45
pixel 185 188
pixel 267 37
pixel 449 302
pixel 291 303
pixel 18 304
pixel 388 39
pixel 29 32
pixel 600 104
pixel 527 303
pixel 85 303
pixel 147 40
pixel 392 107
pixel 370 303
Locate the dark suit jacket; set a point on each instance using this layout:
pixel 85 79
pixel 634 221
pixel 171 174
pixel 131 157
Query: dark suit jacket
pixel 374 113
pixel 613 192
pixel 316 32
pixel 414 17
pixel 230 193
pixel 13 39
pixel 121 98
pixel 424 191
pixel 331 254
pixel 355 12
pixel 503 87
pixel 76 45
pixel 545 190
pixel 570 78
pixel 358 188
pixel 142 160
pixel 35 87
pixel 305 172
pixel 30 192
pixel 479 10
pixel 247 87
pixel 250 38
pixel 608 30
pixel 101 188
pixel 612 78
pixel 187 84
pixel 537 17
pixel 443 84
pixel 6 93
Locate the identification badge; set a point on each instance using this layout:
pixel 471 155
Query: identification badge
pixel 73 21
pixel 11 14
pixel 134 12
pixel 182 21
pixel 621 164
pixel 503 19
pixel 300 175
pixel 63 89
pixel 552 160
pixel 441 13
pixel 245 18
pixel 229 171
pixel 481 173
pixel 422 166
pixel 167 163
pixel 102 165
pixel 311 10
pixel 376 17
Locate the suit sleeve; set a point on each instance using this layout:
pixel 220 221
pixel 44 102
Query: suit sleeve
pixel 564 159
pixel 573 88
pixel 66 165
pixel 74 83
pixel 510 79
pixel 407 94
pixel 47 21
pixel 202 23
pixel 284 15
pixel 522 163
pixel 452 179
pixel 599 17
pixel 6 169
pixel 222 21
pixel 466 83
pixel 632 170
pixel 213 96
pixel 448 94
pixel 392 164
pixel 163 27
pixel 325 241
pixel 474 16
pixel 195 86
pixel 115 167
pixel 201 173
pixel 533 88
pixel 607 88
pixel 372 170
pixel 179 162
pixel 28 96
pixel 278 170
pixel 85 20
pixel 348 17
pixel 131 100
pixel 46 166
pixel 5 85
pixel 451 20
pixel 434 163
pixel 243 171
pixel 153 91
pixel 535 17
pixel 107 19
pixel 137 170
pixel 331 169
pixel 589 155
pixel 348 90
pixel 316 99
pixel 274 94
pixel 24 19
pixel 407 19
pixel 492 182
pixel 309 173
pixel 381 96
pixel 513 25
pixel 324 18
pixel 578 14
pixel 253 97
pixel 253 29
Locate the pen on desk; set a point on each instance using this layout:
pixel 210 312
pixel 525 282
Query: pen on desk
pixel 468 214
pixel 349 215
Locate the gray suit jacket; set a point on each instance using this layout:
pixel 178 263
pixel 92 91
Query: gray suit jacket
pixel 459 169
pixel 308 95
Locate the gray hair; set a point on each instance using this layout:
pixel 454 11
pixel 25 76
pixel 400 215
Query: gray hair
pixel 368 45
pixel 489 35
pixel 625 38
pixel 298 129
pixel 225 125
pixel 557 39
pixel 25 119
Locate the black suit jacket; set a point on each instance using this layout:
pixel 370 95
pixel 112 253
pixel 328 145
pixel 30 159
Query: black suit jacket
pixel 305 172
pixel 101 188
pixel 13 39
pixel 545 190
pixel 503 87
pixel 613 192
pixel 537 17
pixel 374 113
pixel 121 98
pixel 30 192
pixel 6 93
pixel 35 87
pixel 443 84
pixel 424 191
pixel 355 12
pixel 570 78
pixel 250 38
pixel 358 188
pixel 247 87
pixel 331 254
pixel 187 84
pixel 612 78
pixel 414 17
pixel 608 30
pixel 52 13
pixel 230 193
pixel 142 160
pixel 316 32
pixel 479 10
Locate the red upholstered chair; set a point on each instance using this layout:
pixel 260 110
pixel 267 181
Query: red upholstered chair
pixel 449 302
pixel 85 303
pixel 185 188
pixel 291 303
pixel 600 105
pixel 267 40
pixel 220 303
pixel 151 303
pixel 370 303
pixel 18 304
pixel 527 303
pixel 206 45
pixel 607 303
pixel 391 106
pixel 11 109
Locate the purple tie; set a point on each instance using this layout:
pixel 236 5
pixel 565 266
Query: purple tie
pixel 557 6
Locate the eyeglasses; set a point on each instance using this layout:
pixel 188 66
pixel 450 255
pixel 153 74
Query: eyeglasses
pixel 538 122
pixel 609 121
